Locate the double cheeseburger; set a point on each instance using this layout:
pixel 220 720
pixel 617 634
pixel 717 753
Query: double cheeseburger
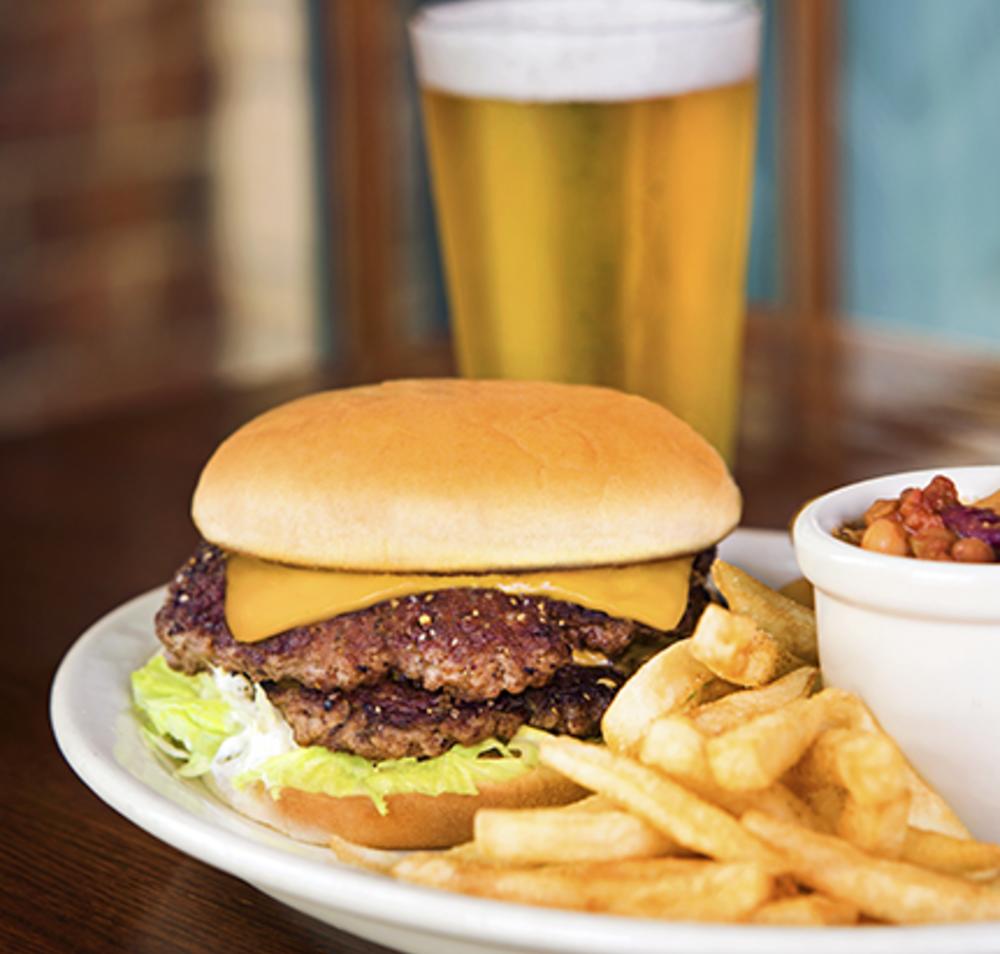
pixel 395 580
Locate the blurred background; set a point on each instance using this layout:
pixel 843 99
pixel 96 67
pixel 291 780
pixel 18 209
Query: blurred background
pixel 235 191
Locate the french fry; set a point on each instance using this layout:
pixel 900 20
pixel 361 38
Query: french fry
pixel 672 681
pixel 739 707
pixel 737 650
pixel 865 763
pixel 551 835
pixel 673 745
pixel 874 813
pixel 592 803
pixel 806 910
pixel 790 623
pixel 670 808
pixel 956 856
pixel 887 890
pixel 826 802
pixel 800 590
pixel 779 801
pixel 658 888
pixel 879 829
pixel 928 810
pixel 758 753
pixel 357 856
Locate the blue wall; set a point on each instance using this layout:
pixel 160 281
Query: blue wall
pixel 920 166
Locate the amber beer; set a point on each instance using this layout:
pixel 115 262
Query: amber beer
pixel 594 223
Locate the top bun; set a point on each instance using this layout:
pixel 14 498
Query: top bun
pixel 445 475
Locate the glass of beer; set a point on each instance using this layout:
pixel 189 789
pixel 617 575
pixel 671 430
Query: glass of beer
pixel 591 165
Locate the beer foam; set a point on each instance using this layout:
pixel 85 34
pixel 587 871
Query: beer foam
pixel 584 50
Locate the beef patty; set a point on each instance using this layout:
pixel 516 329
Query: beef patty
pixel 396 719
pixel 384 681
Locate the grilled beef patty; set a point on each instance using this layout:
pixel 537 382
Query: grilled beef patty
pixel 397 719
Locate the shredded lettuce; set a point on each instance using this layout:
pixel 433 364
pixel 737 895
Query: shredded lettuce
pixel 223 725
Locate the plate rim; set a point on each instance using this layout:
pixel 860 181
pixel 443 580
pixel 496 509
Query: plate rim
pixel 336 887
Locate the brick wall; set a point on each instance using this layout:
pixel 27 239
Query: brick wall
pixel 106 288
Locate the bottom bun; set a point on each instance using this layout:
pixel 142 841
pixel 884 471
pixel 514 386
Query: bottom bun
pixel 412 821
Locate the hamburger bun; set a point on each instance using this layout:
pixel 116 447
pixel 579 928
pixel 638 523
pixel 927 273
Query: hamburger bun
pixel 448 475
pixel 413 821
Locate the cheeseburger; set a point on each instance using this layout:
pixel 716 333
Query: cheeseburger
pixel 396 581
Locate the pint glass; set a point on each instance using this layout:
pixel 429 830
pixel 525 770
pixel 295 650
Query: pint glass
pixel 591 164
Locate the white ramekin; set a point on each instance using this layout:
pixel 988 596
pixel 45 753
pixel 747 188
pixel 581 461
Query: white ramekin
pixel 918 640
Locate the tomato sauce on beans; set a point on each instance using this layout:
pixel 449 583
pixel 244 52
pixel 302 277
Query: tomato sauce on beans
pixel 930 523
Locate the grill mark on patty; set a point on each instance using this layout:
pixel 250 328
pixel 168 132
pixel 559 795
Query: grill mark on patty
pixel 473 643
pixel 398 719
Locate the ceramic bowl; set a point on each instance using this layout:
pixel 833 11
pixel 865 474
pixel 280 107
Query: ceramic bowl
pixel 918 640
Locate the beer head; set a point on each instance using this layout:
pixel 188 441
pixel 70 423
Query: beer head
pixel 585 50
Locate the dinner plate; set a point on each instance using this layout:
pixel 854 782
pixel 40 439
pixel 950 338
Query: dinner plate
pixel 91 716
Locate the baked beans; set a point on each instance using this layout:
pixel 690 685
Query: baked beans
pixel 930 523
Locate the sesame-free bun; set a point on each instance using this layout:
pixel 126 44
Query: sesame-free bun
pixel 412 821
pixel 465 475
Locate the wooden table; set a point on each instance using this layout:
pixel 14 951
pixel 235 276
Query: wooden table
pixel 96 512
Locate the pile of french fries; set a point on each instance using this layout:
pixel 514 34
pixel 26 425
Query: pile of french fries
pixel 731 787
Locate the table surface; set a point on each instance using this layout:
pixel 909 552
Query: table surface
pixel 96 512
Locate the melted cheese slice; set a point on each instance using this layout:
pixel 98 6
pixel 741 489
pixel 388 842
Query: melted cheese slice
pixel 263 599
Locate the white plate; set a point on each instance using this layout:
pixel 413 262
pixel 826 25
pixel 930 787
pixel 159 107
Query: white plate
pixel 98 737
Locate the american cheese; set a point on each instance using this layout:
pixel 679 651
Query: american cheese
pixel 263 599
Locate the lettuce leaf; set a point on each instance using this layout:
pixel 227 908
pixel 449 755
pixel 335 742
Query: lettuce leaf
pixel 222 724
pixel 461 770
pixel 186 717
